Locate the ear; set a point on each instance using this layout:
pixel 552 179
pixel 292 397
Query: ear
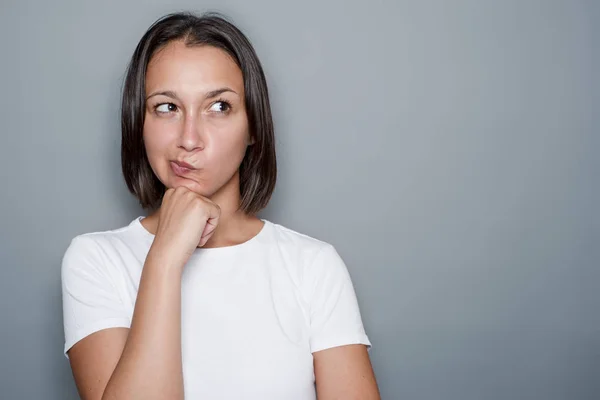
pixel 250 140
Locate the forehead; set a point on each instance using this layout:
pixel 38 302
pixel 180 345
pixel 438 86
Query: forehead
pixel 180 67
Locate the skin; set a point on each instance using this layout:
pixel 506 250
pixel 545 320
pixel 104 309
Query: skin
pixel 195 114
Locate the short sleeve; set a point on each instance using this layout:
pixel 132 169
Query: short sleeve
pixel 335 318
pixel 90 300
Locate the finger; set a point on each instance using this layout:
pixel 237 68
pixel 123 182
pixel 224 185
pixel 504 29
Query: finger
pixel 205 238
pixel 214 213
pixel 203 241
pixel 167 194
pixel 208 230
pixel 211 223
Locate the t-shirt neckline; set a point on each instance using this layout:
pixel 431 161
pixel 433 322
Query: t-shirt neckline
pixel 212 250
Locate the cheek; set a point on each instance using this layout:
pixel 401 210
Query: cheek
pixel 231 141
pixel 156 139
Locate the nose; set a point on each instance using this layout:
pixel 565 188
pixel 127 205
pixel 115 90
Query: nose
pixel 192 137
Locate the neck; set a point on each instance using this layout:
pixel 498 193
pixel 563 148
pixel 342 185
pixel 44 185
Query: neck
pixel 234 227
pixel 233 223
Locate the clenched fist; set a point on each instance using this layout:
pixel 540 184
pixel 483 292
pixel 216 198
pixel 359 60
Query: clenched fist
pixel 186 221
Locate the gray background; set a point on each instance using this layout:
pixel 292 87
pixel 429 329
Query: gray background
pixel 448 149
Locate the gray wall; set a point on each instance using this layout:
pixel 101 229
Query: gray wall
pixel 448 149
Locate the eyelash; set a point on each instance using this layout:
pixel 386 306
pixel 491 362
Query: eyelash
pixel 225 102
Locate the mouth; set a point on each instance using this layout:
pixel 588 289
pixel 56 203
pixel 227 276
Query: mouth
pixel 181 168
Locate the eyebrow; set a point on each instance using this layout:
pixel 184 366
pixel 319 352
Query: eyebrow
pixel 209 95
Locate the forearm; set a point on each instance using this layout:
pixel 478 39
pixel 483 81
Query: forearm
pixel 150 365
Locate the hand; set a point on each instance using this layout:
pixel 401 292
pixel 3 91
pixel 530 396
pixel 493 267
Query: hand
pixel 186 221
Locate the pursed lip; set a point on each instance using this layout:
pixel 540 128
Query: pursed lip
pixel 181 168
pixel 183 164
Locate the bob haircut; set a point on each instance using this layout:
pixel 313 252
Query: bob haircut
pixel 258 169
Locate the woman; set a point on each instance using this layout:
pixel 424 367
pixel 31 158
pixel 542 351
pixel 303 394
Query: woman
pixel 201 298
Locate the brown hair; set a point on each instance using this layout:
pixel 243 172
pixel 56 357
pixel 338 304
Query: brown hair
pixel 258 170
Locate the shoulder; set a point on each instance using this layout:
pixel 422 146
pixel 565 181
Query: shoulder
pixel 313 257
pixel 92 248
pixel 290 240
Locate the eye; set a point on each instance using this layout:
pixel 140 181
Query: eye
pixel 165 108
pixel 220 106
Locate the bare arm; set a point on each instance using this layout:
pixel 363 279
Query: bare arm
pixel 345 372
pixel 143 362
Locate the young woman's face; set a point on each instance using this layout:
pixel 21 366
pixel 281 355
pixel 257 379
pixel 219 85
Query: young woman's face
pixel 196 128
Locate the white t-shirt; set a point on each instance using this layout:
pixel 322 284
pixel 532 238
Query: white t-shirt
pixel 252 314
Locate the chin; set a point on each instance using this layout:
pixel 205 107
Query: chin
pixel 191 185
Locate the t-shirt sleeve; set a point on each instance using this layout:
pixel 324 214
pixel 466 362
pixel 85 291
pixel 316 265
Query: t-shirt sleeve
pixel 335 318
pixel 90 300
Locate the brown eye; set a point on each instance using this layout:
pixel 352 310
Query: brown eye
pixel 166 108
pixel 220 107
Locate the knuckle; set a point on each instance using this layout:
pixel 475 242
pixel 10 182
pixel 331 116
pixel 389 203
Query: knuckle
pixel 198 203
